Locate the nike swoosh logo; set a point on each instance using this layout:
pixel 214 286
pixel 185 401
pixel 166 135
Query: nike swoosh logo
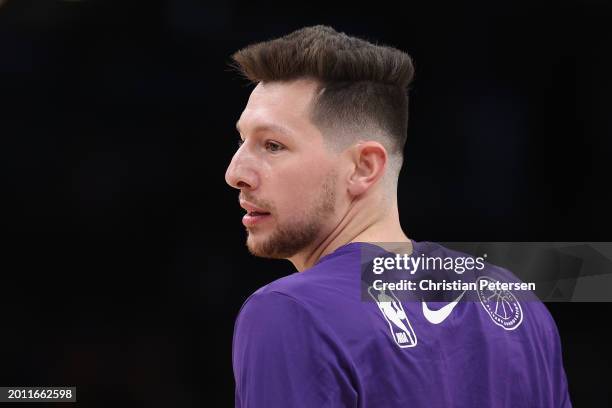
pixel 438 316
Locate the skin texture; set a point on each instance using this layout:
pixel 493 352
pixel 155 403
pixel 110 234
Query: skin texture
pixel 318 198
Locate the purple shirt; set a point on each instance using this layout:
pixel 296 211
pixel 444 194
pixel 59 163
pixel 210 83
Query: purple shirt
pixel 309 340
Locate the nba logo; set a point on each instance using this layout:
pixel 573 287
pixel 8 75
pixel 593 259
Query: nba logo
pixel 393 311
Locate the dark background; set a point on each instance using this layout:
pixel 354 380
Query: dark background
pixel 123 263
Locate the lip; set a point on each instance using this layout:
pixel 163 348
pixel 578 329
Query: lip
pixel 251 207
pixel 250 219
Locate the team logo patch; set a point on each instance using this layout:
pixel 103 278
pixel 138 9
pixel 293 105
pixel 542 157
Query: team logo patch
pixel 501 305
pixel 393 311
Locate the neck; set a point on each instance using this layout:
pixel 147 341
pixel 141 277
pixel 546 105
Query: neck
pixel 357 225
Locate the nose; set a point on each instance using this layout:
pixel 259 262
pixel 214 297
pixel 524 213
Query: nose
pixel 241 173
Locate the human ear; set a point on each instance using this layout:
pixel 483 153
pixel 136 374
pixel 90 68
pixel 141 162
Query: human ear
pixel 370 161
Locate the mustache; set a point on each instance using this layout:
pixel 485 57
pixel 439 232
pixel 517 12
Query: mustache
pixel 258 203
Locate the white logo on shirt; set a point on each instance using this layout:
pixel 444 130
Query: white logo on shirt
pixel 438 316
pixel 393 311
pixel 502 306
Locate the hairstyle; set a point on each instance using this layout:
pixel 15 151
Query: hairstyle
pixel 362 87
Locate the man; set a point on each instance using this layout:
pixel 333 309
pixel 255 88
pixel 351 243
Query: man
pixel 321 142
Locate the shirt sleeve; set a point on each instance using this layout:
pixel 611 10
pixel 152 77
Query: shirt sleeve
pixel 282 358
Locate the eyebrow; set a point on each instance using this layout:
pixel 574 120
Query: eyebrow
pixel 269 126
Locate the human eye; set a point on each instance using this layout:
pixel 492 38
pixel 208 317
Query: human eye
pixel 273 146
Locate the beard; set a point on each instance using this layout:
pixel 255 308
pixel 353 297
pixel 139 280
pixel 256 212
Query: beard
pixel 293 236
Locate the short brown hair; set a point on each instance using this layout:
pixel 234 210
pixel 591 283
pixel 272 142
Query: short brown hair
pixel 361 85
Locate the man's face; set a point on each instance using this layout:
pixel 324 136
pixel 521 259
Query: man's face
pixel 286 175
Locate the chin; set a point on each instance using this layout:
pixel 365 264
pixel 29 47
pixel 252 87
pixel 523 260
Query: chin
pixel 256 245
pixel 282 242
pixel 261 245
pixel 256 249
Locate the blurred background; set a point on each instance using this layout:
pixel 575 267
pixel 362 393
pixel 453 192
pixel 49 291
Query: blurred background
pixel 124 264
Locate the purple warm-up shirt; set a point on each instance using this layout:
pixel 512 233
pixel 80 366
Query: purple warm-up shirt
pixel 311 340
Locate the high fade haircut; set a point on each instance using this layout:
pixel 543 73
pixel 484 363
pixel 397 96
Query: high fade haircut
pixel 362 88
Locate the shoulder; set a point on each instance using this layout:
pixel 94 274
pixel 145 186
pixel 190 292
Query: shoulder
pixel 294 288
pixel 270 316
pixel 283 312
pixel 280 353
pixel 268 304
pixel 274 329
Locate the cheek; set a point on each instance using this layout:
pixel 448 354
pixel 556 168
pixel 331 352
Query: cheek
pixel 297 189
